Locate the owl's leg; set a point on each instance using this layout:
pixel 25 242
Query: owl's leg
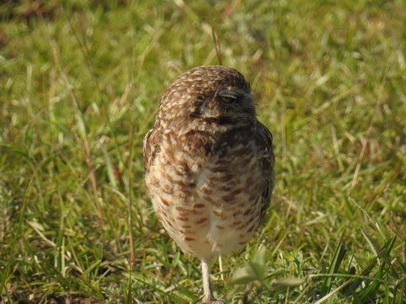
pixel 207 296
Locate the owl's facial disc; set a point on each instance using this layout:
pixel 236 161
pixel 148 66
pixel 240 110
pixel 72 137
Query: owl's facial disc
pixel 229 102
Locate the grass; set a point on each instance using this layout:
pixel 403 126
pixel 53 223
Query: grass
pixel 80 82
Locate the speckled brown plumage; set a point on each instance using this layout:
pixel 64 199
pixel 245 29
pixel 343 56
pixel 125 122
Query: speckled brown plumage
pixel 209 164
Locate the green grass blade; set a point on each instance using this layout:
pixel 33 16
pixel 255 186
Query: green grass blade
pixel 334 265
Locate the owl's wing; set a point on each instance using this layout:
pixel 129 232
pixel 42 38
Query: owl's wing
pixel 264 142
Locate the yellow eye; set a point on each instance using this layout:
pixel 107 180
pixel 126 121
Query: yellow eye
pixel 226 99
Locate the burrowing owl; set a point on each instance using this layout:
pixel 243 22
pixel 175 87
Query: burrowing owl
pixel 209 164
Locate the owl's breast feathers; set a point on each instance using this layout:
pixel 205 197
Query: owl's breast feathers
pixel 231 152
pixel 211 185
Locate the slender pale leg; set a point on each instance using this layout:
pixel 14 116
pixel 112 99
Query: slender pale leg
pixel 207 295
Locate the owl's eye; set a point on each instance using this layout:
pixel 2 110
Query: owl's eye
pixel 227 97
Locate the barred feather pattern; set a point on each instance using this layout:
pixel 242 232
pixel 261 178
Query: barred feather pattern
pixel 209 162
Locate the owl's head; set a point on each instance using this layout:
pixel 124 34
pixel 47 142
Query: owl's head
pixel 210 92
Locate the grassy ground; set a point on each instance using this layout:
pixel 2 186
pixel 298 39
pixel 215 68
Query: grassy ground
pixel 79 85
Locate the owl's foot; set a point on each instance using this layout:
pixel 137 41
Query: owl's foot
pixel 212 301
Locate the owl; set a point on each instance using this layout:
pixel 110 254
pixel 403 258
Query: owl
pixel 209 164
